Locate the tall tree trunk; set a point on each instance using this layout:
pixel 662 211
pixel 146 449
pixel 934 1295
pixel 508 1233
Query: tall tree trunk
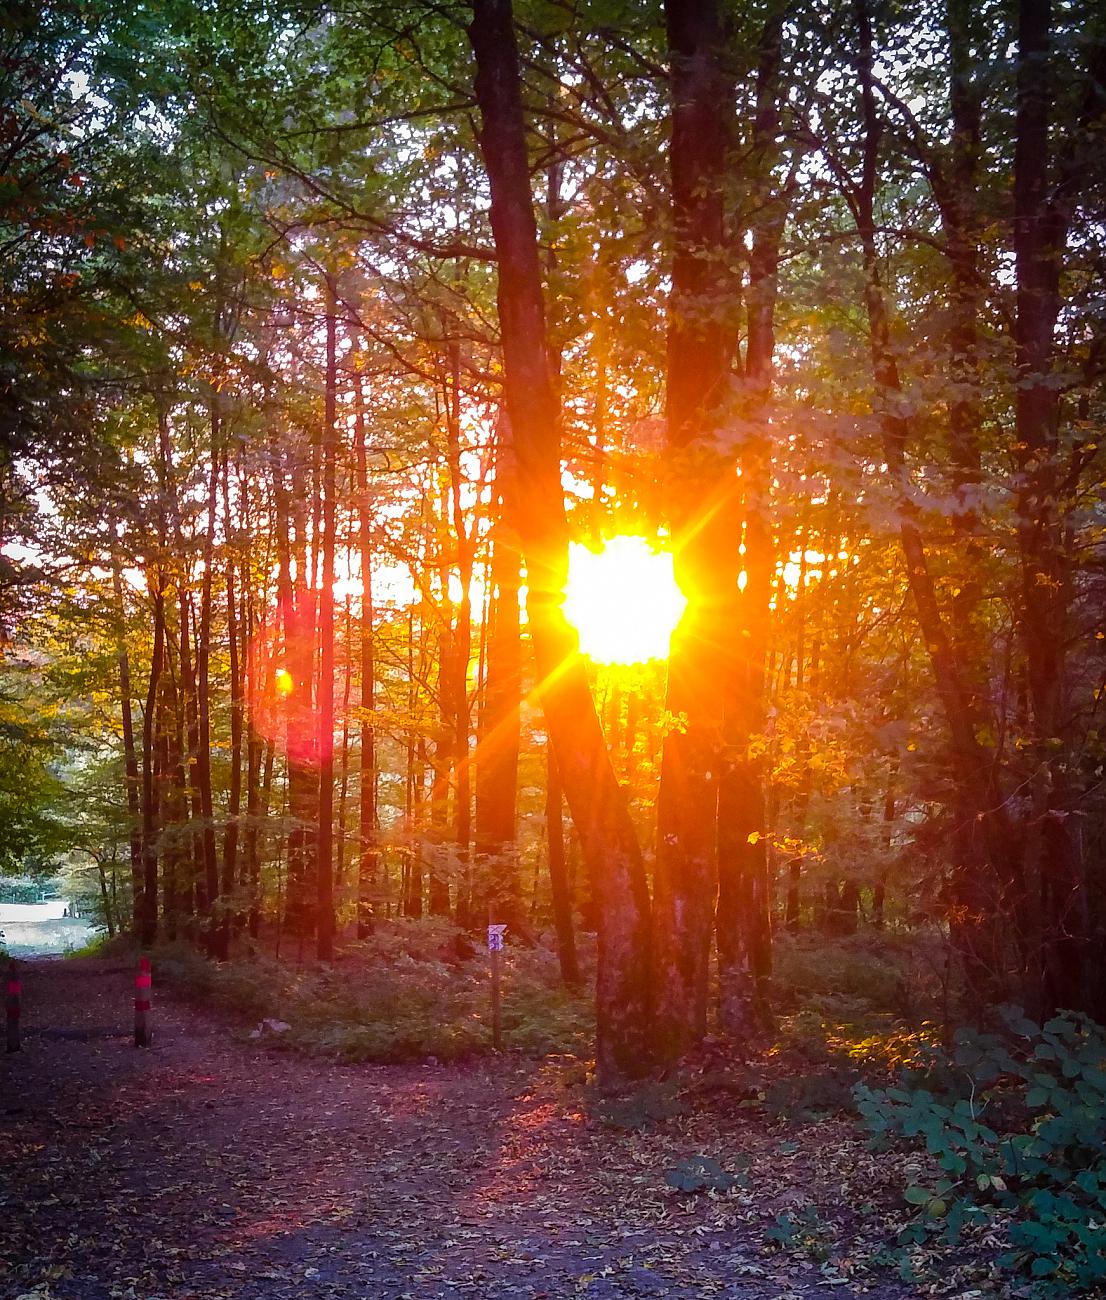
pixel 559 887
pixel 105 899
pixel 176 876
pixel 198 902
pixel 960 219
pixel 234 802
pixel 988 875
pixel 455 669
pixel 706 531
pixel 203 698
pixel 411 898
pixel 188 888
pixel 343 764
pixel 597 804
pixel 130 757
pixel 744 893
pixel 498 749
pixel 325 845
pixel 297 613
pixel 1056 888
pixel 147 909
pixel 369 856
pixel 251 866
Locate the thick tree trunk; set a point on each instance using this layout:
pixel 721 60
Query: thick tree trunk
pixel 559 886
pixel 597 804
pixel 1056 886
pixel 706 532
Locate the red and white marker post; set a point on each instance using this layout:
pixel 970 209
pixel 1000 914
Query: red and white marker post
pixel 143 992
pixel 13 1000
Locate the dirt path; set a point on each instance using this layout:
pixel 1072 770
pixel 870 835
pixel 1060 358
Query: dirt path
pixel 206 1167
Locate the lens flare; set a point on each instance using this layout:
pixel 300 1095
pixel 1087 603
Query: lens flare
pixel 623 600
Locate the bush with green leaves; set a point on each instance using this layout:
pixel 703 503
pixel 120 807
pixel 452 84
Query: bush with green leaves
pixel 1015 1124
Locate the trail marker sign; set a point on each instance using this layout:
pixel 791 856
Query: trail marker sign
pixel 495 937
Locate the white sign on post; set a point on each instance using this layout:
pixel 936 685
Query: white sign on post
pixel 495 937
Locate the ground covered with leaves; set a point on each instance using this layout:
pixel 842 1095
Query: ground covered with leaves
pixel 213 1166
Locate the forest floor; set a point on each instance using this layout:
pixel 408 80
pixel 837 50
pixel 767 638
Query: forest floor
pixel 212 1166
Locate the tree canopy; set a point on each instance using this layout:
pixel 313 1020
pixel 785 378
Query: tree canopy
pixel 329 335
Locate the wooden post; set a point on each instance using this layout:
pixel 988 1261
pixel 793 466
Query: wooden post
pixel 495 949
pixel 143 990
pixel 12 1000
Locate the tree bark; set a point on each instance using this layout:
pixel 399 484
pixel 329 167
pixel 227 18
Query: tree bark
pixel 147 909
pixel 597 804
pixel 744 927
pixel 234 801
pixel 706 528
pixel 499 740
pixel 987 877
pixel 559 886
pixel 297 614
pixel 130 757
pixel 1056 889
pixel 325 844
pixel 369 856
pixel 203 699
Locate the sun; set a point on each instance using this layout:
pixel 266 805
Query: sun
pixel 623 600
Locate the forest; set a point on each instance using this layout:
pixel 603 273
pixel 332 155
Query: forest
pixel 626 471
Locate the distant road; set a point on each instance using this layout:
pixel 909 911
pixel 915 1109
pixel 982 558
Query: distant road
pixel 40 929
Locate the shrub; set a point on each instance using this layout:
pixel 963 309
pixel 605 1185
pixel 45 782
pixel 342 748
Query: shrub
pixel 412 989
pixel 851 977
pixel 1015 1123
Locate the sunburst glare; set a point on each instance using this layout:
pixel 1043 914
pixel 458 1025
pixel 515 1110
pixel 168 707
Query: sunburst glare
pixel 623 600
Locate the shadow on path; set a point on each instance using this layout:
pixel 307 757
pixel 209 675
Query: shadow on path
pixel 206 1168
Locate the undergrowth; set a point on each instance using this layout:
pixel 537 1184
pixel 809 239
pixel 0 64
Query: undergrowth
pixel 412 990
pixel 1014 1125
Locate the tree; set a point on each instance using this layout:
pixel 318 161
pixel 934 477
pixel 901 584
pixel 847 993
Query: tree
pixel 594 798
